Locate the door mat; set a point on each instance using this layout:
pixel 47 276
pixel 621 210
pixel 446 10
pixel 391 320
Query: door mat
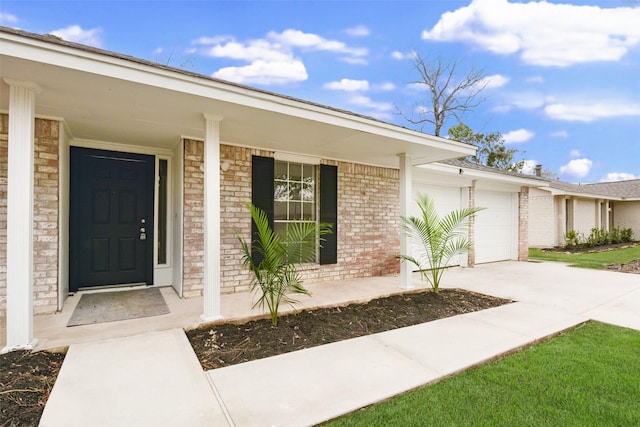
pixel 104 307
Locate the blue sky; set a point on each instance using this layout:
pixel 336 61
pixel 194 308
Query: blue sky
pixel 564 84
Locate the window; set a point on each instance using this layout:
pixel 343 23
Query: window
pixel 294 194
pixel 288 191
pixel 162 211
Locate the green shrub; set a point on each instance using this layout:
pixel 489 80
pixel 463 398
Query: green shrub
pixel 626 235
pixel 597 237
pixel 615 235
pixel 571 239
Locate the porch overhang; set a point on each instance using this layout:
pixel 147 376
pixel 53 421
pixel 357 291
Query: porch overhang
pixel 104 96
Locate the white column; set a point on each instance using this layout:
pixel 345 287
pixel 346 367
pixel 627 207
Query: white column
pixel 211 290
pixel 20 215
pixel 405 211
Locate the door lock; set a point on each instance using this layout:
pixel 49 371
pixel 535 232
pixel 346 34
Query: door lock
pixel 143 234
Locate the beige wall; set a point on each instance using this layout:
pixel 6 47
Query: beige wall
pixel 627 215
pixel 585 216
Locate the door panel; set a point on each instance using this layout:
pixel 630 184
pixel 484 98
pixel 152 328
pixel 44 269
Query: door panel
pixel 496 232
pixel 111 218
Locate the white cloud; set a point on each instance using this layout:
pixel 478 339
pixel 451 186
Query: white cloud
pixel 297 38
pixel 8 18
pixel 535 79
pixel 354 60
pixel 365 101
pixel 493 81
pixel 560 134
pixel 588 112
pixel 75 33
pixel 542 33
pixel 619 176
pixel 348 85
pixel 575 153
pixel 358 31
pixel 529 167
pixel 529 100
pixel 577 168
pixel 396 54
pixel 518 136
pixel 384 87
pixel 264 72
pixel 252 51
pixel 272 59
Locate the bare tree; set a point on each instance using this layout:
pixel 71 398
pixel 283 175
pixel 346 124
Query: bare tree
pixel 448 95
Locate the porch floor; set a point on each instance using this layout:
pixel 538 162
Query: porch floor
pixel 52 331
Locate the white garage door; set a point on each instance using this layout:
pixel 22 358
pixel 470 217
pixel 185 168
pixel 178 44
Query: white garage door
pixel 446 199
pixel 496 231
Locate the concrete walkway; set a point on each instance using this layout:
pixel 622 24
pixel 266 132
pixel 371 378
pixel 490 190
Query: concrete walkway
pixel 154 379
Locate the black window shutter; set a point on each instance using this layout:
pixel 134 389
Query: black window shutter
pixel 329 212
pixel 262 174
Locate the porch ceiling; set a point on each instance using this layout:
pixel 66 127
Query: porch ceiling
pixel 103 97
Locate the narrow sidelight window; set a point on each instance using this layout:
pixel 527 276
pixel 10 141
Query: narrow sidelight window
pixel 162 211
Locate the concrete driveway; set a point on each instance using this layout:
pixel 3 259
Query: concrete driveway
pixel 606 296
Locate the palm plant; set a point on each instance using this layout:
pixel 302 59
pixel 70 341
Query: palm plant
pixel 275 268
pixel 436 239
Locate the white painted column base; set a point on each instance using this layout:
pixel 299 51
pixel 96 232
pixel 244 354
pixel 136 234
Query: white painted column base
pixel 211 291
pixel 406 194
pixel 29 347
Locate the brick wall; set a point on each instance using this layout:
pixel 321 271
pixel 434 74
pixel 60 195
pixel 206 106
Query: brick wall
pixel 368 220
pixel 45 215
pixel 193 223
pixel 542 216
pixel 523 224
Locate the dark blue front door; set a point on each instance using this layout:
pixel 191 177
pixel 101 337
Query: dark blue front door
pixel 111 218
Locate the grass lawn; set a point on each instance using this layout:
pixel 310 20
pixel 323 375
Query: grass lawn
pixel 589 259
pixel 589 376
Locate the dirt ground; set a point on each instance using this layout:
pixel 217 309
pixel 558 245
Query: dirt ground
pixel 630 267
pixel 227 344
pixel 26 379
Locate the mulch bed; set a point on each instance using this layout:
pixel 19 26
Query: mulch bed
pixel 582 249
pixel 630 267
pixel 221 345
pixel 26 379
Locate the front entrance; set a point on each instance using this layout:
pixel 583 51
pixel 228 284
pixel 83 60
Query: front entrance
pixel 111 218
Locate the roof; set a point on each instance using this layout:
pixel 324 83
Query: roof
pixel 618 189
pixel 115 98
pixel 461 163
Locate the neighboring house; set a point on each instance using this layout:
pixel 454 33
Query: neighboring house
pixel 563 206
pixel 116 170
